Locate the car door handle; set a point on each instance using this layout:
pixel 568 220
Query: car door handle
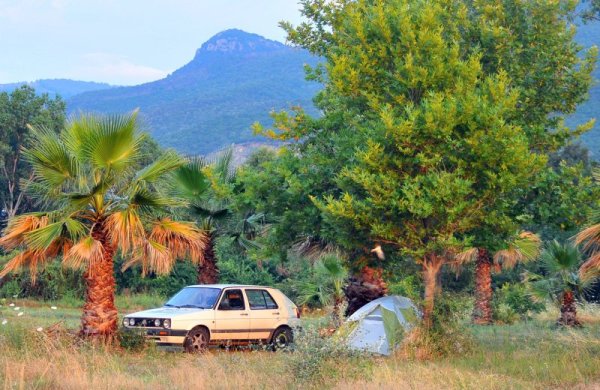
pixel 244 314
pixel 276 314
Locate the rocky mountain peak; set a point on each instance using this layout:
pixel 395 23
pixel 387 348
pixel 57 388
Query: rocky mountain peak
pixel 238 41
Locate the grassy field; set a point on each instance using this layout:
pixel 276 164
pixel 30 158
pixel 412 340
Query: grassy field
pixel 528 355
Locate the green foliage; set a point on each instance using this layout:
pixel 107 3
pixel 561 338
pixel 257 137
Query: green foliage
pixel 560 263
pixel 447 336
pixel 323 284
pixel 314 355
pixel 132 340
pixel 236 267
pixel 513 302
pixel 132 280
pixel 18 110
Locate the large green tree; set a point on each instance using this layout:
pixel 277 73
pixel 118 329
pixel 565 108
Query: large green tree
pixel 98 203
pixel 531 41
pixel 436 152
pixel 19 110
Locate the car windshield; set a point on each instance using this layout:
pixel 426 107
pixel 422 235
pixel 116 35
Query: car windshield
pixel 198 297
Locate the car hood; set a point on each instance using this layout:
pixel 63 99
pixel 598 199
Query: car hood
pixel 170 312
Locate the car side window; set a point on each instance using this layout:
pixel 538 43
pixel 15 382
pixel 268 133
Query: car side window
pixel 232 300
pixel 260 300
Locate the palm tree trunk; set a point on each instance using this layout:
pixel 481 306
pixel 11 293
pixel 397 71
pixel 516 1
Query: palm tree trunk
pixel 431 268
pixel 337 307
pixel 482 312
pixel 100 316
pixel 208 271
pixel 568 310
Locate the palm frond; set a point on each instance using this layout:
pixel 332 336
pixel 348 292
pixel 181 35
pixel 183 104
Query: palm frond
pixel 183 239
pixel 109 142
pixel 19 226
pixel 125 228
pixel 222 165
pixel 43 237
pixel 50 159
pixel 524 248
pixel 189 180
pixel 167 162
pixel 84 253
pixel 589 238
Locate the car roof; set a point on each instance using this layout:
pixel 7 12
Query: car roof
pixel 228 286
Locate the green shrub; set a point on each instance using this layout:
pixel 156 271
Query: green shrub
pixel 512 302
pixel 315 357
pixel 131 340
pixel 448 334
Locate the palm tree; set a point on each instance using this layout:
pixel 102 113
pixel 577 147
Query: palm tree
pixel 326 286
pixel 590 239
pixel 524 248
pixel 561 282
pixel 206 185
pixel 98 204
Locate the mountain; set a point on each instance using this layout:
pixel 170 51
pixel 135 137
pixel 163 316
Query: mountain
pixel 235 79
pixel 63 87
pixel 589 35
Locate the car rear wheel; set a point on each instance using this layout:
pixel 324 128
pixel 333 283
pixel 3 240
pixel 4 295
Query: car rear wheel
pixel 197 340
pixel 282 338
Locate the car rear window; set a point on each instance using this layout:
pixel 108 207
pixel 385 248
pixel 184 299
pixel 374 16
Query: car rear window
pixel 260 300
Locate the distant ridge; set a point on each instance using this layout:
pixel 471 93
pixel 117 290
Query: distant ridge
pixel 64 87
pixel 234 79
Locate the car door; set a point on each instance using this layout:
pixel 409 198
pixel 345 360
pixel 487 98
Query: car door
pixel 232 320
pixel 264 313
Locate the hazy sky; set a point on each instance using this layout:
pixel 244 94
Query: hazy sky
pixel 122 41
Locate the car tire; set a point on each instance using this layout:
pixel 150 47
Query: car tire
pixel 197 340
pixel 282 338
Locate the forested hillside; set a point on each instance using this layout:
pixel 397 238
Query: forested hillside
pixel 63 87
pixel 235 79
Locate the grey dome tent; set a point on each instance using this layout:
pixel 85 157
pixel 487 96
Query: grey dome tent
pixel 379 325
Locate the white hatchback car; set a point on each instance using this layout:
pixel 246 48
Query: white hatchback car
pixel 219 314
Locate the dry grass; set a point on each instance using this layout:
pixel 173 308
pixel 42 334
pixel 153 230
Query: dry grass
pixel 532 355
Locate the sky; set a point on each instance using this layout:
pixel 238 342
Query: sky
pixel 122 42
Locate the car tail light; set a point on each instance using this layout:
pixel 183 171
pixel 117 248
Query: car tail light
pixel 297 312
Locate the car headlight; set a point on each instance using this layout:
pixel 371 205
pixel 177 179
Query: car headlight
pixel 167 323
pixel 125 321
pixel 157 322
pixel 131 321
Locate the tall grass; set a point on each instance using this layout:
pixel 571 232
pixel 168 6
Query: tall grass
pixel 527 355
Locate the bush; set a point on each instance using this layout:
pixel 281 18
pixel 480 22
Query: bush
pixel 512 302
pixel 52 283
pixel 447 335
pixel 315 357
pixel 131 340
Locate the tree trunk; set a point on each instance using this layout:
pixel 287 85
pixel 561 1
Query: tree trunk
pixel 482 312
pixel 431 268
pixel 568 310
pixel 336 314
pixel 364 288
pixel 208 271
pixel 99 319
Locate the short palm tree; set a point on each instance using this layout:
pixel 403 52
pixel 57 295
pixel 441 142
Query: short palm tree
pixel 327 286
pixel 206 185
pixel 561 281
pixel 524 248
pixel 98 204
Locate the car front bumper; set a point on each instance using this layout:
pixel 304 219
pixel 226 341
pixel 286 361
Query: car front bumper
pixel 166 337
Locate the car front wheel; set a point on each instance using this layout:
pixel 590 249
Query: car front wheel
pixel 197 340
pixel 282 338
